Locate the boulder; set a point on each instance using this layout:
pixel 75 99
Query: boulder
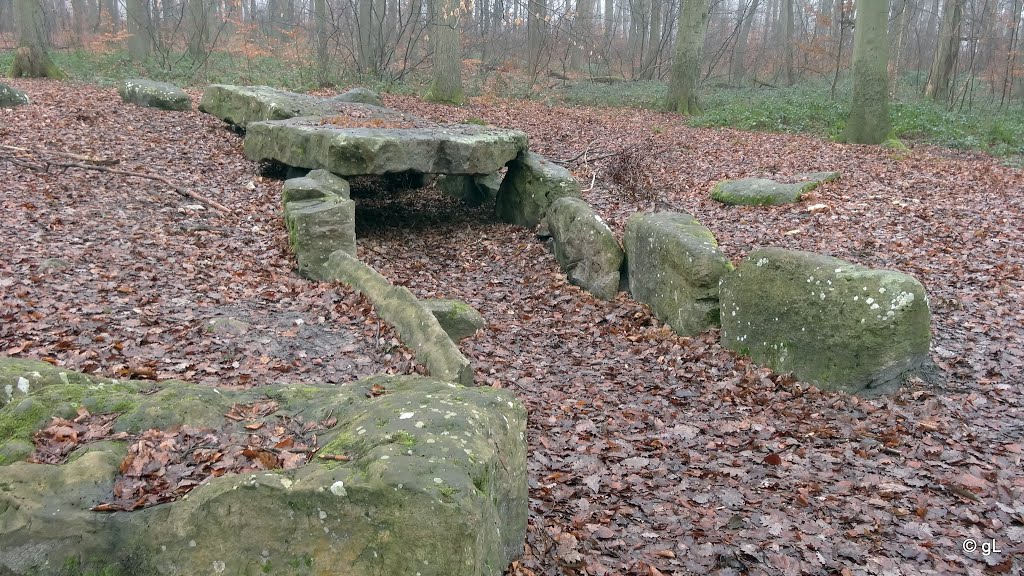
pixel 458 319
pixel 420 477
pixel 674 265
pixel 418 328
pixel 315 184
pixel 318 227
pixel 832 323
pixel 226 326
pixel 585 247
pixel 357 145
pixel 360 95
pixel 472 190
pixel 154 94
pixel 532 183
pixel 764 192
pixel 240 105
pixel 11 96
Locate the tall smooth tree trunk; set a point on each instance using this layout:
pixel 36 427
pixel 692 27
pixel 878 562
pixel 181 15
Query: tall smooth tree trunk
pixel 654 45
pixel 682 89
pixel 738 65
pixel 786 34
pixel 868 122
pixel 536 30
pixel 79 20
pixel 320 39
pixel 639 30
pixel 609 20
pixel 582 28
pixel 140 27
pixel 197 28
pixel 939 85
pixel 446 34
pixel 31 59
pixel 898 34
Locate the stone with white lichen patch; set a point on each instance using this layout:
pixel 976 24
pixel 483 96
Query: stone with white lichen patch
pixel 832 323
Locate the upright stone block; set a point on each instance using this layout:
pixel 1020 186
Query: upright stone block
pixel 316 228
pixel 585 247
pixel 674 265
pixel 835 324
pixel 531 185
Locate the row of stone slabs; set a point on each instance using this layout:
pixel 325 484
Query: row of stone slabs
pixel 674 263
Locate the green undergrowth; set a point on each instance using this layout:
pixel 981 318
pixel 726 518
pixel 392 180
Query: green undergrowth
pixel 806 108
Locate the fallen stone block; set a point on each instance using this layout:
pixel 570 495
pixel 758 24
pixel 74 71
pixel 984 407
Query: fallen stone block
pixel 11 96
pixel 458 319
pixel 531 185
pixel 764 192
pixel 674 265
pixel 152 94
pixel 422 477
pixel 360 95
pixel 585 247
pixel 834 324
pixel 416 325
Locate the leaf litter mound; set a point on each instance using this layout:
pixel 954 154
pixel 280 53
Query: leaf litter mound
pixel 650 453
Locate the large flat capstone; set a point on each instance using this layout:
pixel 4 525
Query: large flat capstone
pixel 832 323
pixel 240 105
pixel 352 145
pixel 421 477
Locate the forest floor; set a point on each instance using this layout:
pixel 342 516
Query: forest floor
pixel 650 453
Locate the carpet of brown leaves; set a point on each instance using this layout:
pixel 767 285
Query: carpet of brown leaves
pixel 649 453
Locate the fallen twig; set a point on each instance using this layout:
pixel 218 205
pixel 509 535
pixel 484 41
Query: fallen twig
pixel 187 193
pixel 103 165
pixel 79 157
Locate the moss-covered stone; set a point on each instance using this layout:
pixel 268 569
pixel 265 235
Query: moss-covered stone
pixel 674 265
pixel 531 185
pixel 316 228
pixel 832 323
pixel 240 105
pixel 315 184
pixel 415 324
pixel 11 96
pixel 458 319
pixel 585 247
pixel 360 95
pixel 438 489
pixel 764 192
pixel 154 94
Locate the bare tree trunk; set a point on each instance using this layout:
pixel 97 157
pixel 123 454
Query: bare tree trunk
pixel 654 45
pixel 79 20
pixel 787 41
pixel 1009 76
pixel 639 30
pixel 114 14
pixel 682 89
pixel 582 28
pixel 609 21
pixel 140 27
pixel 900 26
pixel 868 122
pixel 738 65
pixel 536 30
pixel 446 34
pixel 197 27
pixel 31 59
pixel 320 33
pixel 939 80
